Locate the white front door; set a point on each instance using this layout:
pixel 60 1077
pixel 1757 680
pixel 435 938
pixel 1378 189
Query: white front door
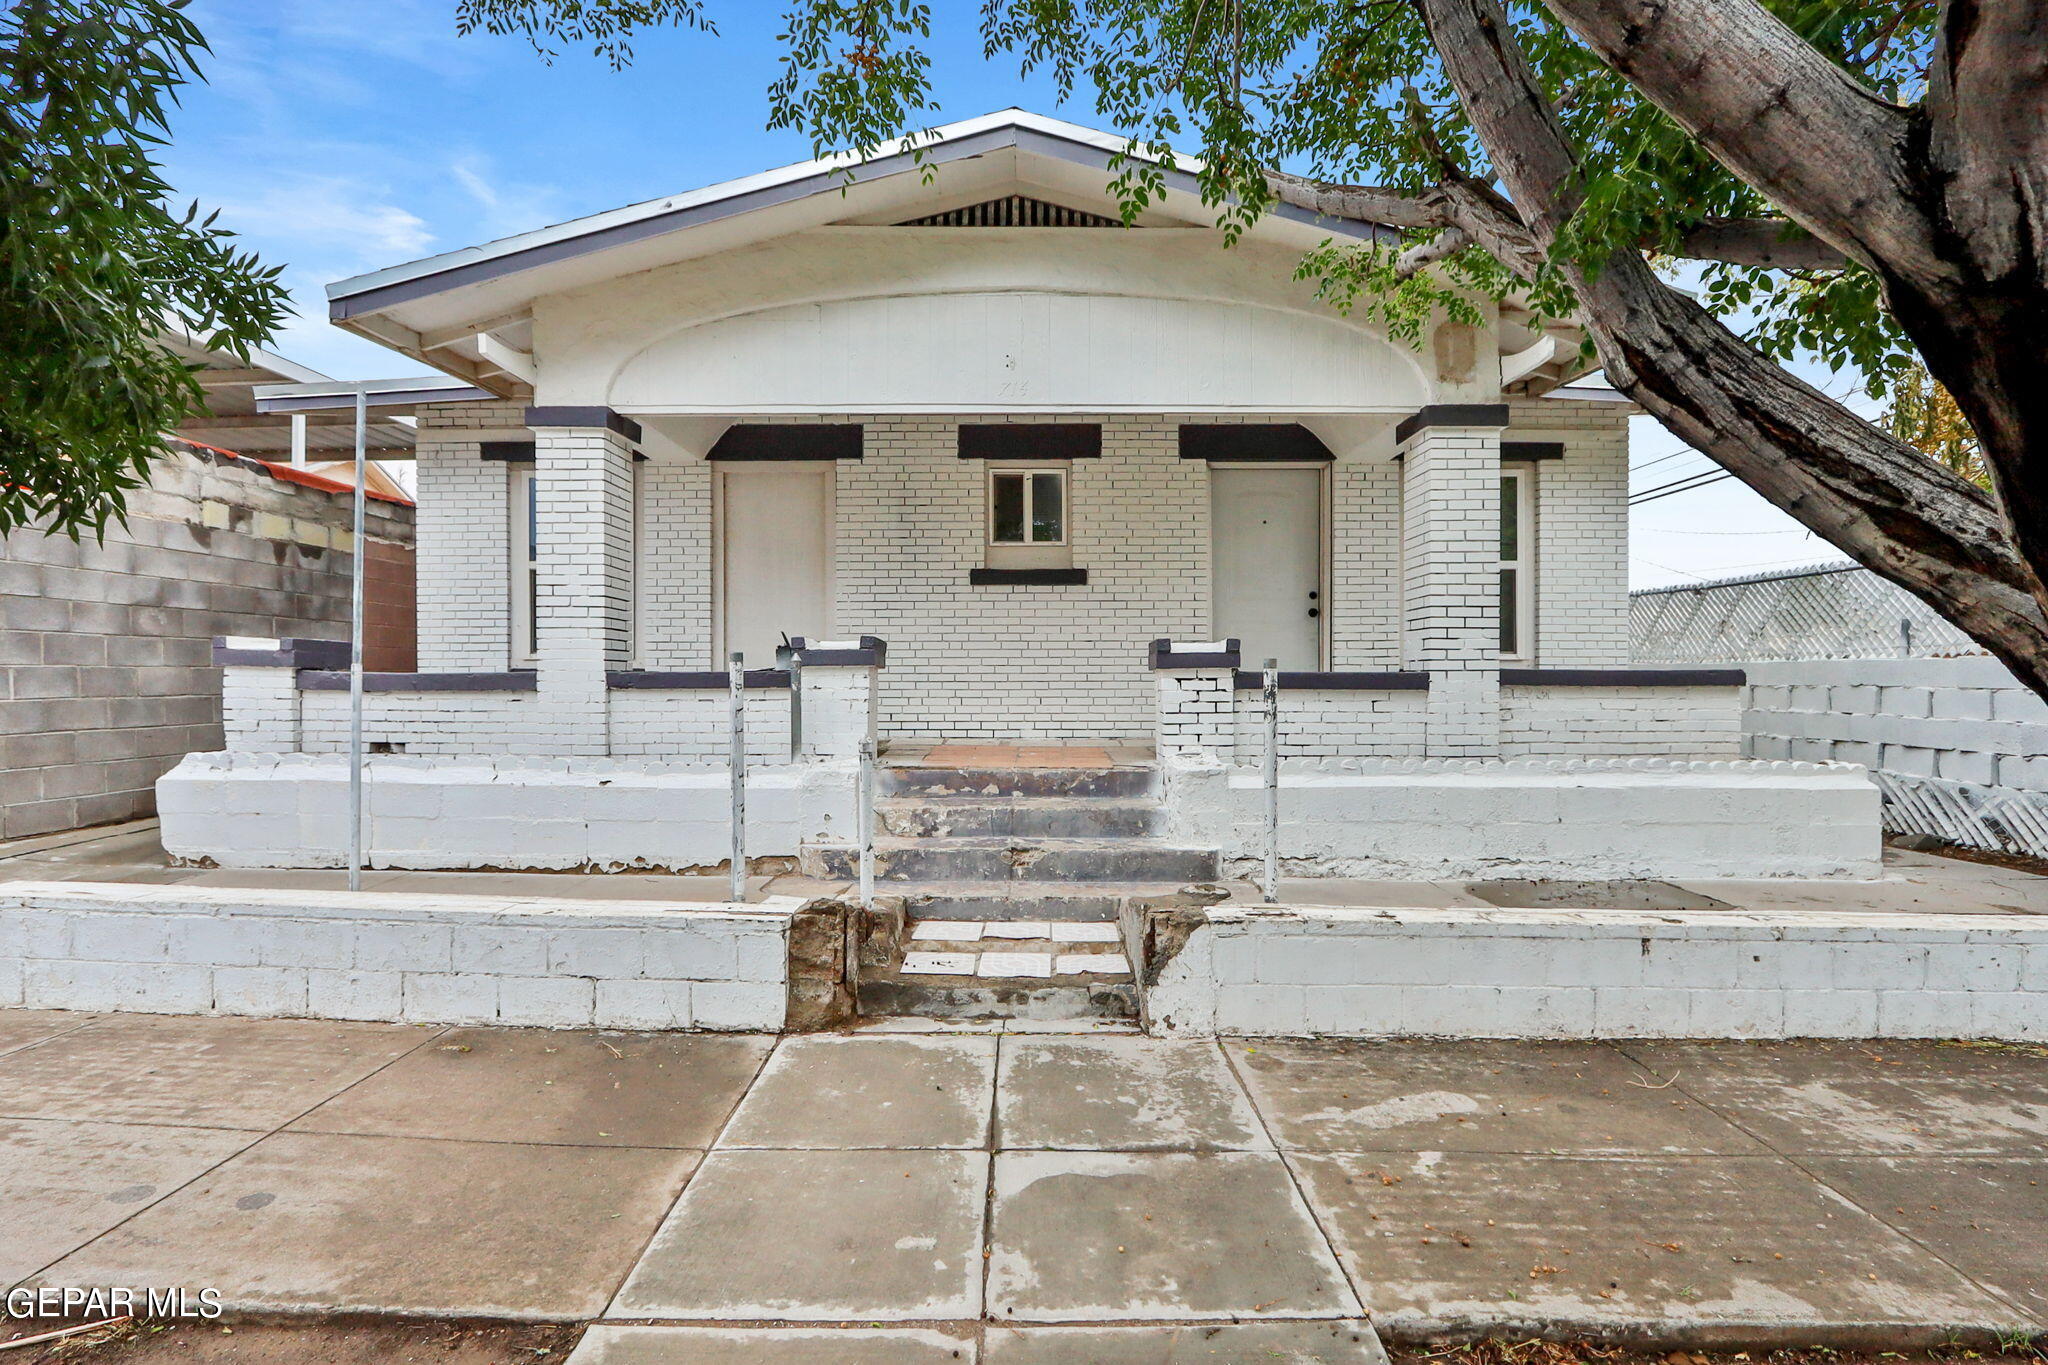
pixel 1267 529
pixel 775 524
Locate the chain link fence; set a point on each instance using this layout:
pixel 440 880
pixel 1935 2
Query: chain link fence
pixel 1843 612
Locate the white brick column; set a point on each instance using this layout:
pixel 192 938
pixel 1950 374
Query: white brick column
pixel 838 682
pixel 1450 577
pixel 583 460
pixel 1197 716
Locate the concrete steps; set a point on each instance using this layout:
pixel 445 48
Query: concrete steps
pixel 1007 883
pixel 1015 859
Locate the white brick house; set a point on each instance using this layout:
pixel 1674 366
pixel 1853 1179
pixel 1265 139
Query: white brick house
pixel 948 404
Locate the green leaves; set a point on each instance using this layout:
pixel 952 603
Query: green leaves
pixel 94 265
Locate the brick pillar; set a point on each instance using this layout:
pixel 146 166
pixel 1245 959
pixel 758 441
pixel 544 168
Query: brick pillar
pixel 1450 576
pixel 259 691
pixel 838 681
pixel 583 461
pixel 1197 718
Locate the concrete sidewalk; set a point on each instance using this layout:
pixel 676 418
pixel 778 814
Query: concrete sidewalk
pixel 1029 1196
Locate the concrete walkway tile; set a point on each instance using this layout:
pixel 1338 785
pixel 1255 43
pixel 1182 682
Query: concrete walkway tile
pixel 1887 1096
pixel 305 1221
pixel 1463 1096
pixel 22 1028
pixel 213 1072
pixel 1128 1093
pixel 1091 1236
pixel 899 1091
pixel 601 1089
pixel 62 1184
pixel 1984 1216
pixel 1438 1240
pixel 608 1345
pixel 1284 1343
pixel 819 1237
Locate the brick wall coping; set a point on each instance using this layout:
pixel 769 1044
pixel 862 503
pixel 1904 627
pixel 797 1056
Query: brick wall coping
pixel 869 651
pixel 336 680
pixel 255 651
pixel 1252 679
pixel 650 680
pixel 1622 677
pixel 1164 654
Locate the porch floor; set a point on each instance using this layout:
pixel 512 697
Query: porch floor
pixel 1913 884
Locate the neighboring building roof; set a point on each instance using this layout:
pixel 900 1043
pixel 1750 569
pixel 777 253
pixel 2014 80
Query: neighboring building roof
pixel 234 421
pixel 378 484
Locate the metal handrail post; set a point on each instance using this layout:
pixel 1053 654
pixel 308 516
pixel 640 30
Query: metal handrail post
pixel 866 817
pixel 796 705
pixel 355 655
pixel 1271 692
pixel 736 674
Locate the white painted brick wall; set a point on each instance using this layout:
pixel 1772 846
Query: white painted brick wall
pixel 413 958
pixel 1334 722
pixel 1650 722
pixel 1313 970
pixel 1450 596
pixel 1581 578
pixel 464 546
pixel 1365 567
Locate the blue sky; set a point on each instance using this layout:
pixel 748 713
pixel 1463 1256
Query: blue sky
pixel 338 136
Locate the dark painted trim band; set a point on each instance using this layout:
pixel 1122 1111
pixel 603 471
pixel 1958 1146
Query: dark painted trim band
pixel 1253 443
pixel 1030 441
pixel 647 680
pixel 873 653
pixel 603 418
pixel 1623 677
pixel 290 653
pixel 1532 450
pixel 789 441
pixel 1027 578
pixel 1161 655
pixel 1452 415
pixel 336 680
pixel 1250 680
pixel 506 452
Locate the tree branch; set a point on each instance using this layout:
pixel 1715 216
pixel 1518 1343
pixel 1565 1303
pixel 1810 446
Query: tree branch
pixel 1772 109
pixel 1359 203
pixel 1773 243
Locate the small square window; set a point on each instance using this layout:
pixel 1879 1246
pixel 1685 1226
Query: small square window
pixel 1027 507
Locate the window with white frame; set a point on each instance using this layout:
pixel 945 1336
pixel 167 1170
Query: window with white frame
pixel 1517 554
pixel 1027 506
pixel 524 563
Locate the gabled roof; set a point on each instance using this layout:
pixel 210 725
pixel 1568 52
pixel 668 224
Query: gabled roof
pixel 423 307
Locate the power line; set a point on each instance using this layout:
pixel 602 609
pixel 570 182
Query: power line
pixel 1680 485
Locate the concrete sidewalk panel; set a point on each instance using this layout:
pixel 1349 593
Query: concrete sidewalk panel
pixel 1284 1343
pixel 24 1028
pixel 1155 1236
pixel 1121 1093
pixel 210 1071
pixel 608 1345
pixel 586 1088
pixel 1859 1098
pixel 827 1091
pixel 1983 1215
pixel 1447 1240
pixel 320 1221
pixel 819 1236
pixel 62 1184
pixel 1471 1096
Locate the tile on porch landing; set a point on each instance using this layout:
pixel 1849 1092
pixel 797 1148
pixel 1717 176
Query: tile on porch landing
pixel 1014 964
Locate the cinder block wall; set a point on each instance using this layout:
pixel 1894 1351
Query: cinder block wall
pixel 1966 720
pixel 106 675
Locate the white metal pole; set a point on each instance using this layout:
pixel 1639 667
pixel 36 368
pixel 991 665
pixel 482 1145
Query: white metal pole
pixel 355 657
pixel 298 440
pixel 865 806
pixel 1272 698
pixel 736 674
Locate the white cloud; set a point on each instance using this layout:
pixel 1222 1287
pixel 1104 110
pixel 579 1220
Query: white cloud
pixel 507 207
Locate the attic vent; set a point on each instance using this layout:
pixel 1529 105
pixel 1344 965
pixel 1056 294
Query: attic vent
pixel 1013 211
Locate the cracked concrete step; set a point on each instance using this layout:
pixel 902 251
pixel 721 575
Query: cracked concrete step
pixel 1015 860
pixel 894 994
pixel 993 782
pixel 1055 817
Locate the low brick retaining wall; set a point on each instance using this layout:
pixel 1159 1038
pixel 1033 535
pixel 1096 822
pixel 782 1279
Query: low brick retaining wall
pixel 426 959
pixel 1309 970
